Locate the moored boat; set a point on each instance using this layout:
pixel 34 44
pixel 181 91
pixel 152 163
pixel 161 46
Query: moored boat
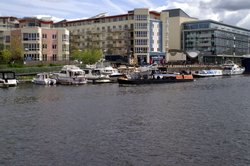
pixel 94 76
pixel 208 73
pixel 157 78
pixel 43 79
pixel 70 75
pixel 102 72
pixel 7 79
pixel 230 68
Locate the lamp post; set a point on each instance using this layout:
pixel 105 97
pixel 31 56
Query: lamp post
pixel 104 53
pixel 130 57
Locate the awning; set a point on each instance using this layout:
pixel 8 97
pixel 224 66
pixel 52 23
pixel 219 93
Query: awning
pixel 193 54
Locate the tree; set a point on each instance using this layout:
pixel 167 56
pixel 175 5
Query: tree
pixel 5 55
pixel 88 56
pixel 16 48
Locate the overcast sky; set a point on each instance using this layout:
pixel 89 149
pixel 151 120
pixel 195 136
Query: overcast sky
pixel 234 12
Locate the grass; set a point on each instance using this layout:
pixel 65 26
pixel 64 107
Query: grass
pixel 31 70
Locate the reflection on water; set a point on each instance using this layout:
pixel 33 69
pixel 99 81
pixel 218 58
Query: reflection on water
pixel 206 122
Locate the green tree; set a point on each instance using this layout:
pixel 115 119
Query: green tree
pixel 87 56
pixel 5 55
pixel 16 48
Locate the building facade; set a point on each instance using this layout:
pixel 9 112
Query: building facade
pixel 6 23
pixel 215 41
pixel 38 41
pixel 141 35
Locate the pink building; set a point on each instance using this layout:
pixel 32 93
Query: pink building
pixel 39 41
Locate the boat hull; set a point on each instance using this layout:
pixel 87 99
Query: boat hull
pixel 151 81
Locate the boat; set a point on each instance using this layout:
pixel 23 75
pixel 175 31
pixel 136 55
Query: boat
pixel 94 76
pixel 208 73
pixel 43 79
pixel 70 75
pixel 8 79
pixel 103 72
pixel 230 68
pixel 155 77
pixel 112 73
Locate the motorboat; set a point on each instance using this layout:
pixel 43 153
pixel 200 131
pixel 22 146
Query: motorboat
pixel 208 73
pixel 93 75
pixel 103 71
pixel 70 75
pixel 112 73
pixel 43 79
pixel 230 68
pixel 7 79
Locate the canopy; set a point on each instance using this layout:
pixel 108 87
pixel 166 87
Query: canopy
pixel 193 54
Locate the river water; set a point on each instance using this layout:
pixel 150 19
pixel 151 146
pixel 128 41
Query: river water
pixel 205 122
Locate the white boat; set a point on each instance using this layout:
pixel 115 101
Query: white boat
pixel 230 68
pixel 112 73
pixel 7 79
pixel 70 75
pixel 43 79
pixel 104 71
pixel 208 73
pixel 94 76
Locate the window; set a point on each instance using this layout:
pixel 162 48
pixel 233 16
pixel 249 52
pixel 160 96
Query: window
pixel 44 36
pixel 65 37
pixel 7 39
pixel 54 46
pixel 54 36
pixel 44 45
pixel 65 48
pixel 30 36
pixel 31 47
pixel 54 57
pixel 45 57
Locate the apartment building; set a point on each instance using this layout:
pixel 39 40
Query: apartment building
pixel 215 41
pixel 6 23
pixel 38 40
pixel 142 36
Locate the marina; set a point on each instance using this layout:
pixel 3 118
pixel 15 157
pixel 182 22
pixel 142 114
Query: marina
pixel 124 83
pixel 193 123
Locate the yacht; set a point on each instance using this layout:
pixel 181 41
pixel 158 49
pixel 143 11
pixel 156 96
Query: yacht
pixel 112 73
pixel 104 71
pixel 43 79
pixel 230 68
pixel 70 75
pixel 93 75
pixel 7 79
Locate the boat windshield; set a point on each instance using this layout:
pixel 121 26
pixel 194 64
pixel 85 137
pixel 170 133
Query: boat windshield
pixel 78 73
pixel 9 76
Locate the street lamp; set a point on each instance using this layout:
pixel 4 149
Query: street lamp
pixel 104 53
pixel 130 56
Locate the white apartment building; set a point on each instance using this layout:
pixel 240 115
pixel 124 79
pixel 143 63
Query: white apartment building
pixel 141 36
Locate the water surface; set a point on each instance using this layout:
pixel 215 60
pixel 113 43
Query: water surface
pixel 206 122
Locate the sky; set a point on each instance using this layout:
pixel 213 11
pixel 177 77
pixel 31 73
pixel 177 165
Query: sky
pixel 233 12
